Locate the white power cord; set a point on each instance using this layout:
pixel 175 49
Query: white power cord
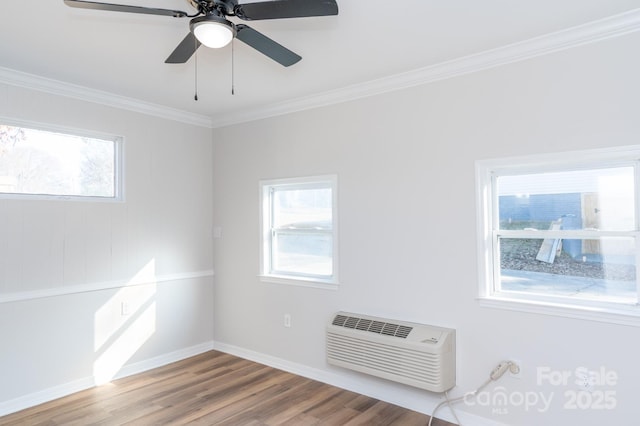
pixel 496 373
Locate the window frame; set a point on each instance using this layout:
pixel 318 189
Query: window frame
pixel 488 232
pixel 267 273
pixel 118 145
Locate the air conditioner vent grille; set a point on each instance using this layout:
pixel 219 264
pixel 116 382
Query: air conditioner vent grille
pixel 378 327
pixel 415 354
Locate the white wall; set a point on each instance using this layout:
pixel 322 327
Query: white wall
pixel 87 255
pixel 405 166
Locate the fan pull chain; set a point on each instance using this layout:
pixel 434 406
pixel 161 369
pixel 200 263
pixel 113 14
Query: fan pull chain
pixel 195 97
pixel 233 90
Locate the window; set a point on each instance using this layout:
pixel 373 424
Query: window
pixel 46 163
pixel 299 230
pixel 560 232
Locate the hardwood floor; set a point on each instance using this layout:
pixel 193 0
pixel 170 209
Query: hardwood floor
pixel 215 388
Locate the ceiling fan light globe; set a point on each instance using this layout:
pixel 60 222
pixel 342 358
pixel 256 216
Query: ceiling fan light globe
pixel 212 31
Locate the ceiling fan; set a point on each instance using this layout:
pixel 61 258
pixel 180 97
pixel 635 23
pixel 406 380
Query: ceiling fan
pixel 209 24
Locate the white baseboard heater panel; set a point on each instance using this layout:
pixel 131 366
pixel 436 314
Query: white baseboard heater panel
pixel 419 355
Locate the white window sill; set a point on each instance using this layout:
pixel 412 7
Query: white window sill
pixel 608 313
pixel 299 281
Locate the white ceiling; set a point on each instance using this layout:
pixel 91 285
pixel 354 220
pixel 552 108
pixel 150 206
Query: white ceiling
pixel 123 54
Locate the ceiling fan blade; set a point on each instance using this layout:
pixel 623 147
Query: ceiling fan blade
pixel 266 46
pixel 184 51
pixel 285 9
pixel 81 4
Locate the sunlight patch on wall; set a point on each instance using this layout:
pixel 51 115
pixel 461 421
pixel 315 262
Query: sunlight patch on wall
pixel 124 323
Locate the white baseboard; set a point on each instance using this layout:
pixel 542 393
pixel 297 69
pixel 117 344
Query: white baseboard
pixel 46 395
pixel 422 402
pixel 160 360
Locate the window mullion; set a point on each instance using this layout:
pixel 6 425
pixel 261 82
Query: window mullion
pixel 637 247
pixel 496 285
pixel 272 248
pixel 636 171
pixel 272 231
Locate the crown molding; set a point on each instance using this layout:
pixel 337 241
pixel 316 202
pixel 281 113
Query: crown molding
pixel 588 33
pixel 56 87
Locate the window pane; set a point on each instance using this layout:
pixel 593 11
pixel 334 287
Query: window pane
pixel 46 163
pixel 302 208
pixel 601 199
pixel 602 269
pixel 307 254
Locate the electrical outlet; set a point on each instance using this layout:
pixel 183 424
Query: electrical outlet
pixel 515 369
pixel 287 320
pixel 124 309
pixel 217 232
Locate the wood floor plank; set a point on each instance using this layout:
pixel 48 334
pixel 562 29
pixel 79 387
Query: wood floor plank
pixel 219 389
pixel 339 417
pixel 327 407
pixel 381 413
